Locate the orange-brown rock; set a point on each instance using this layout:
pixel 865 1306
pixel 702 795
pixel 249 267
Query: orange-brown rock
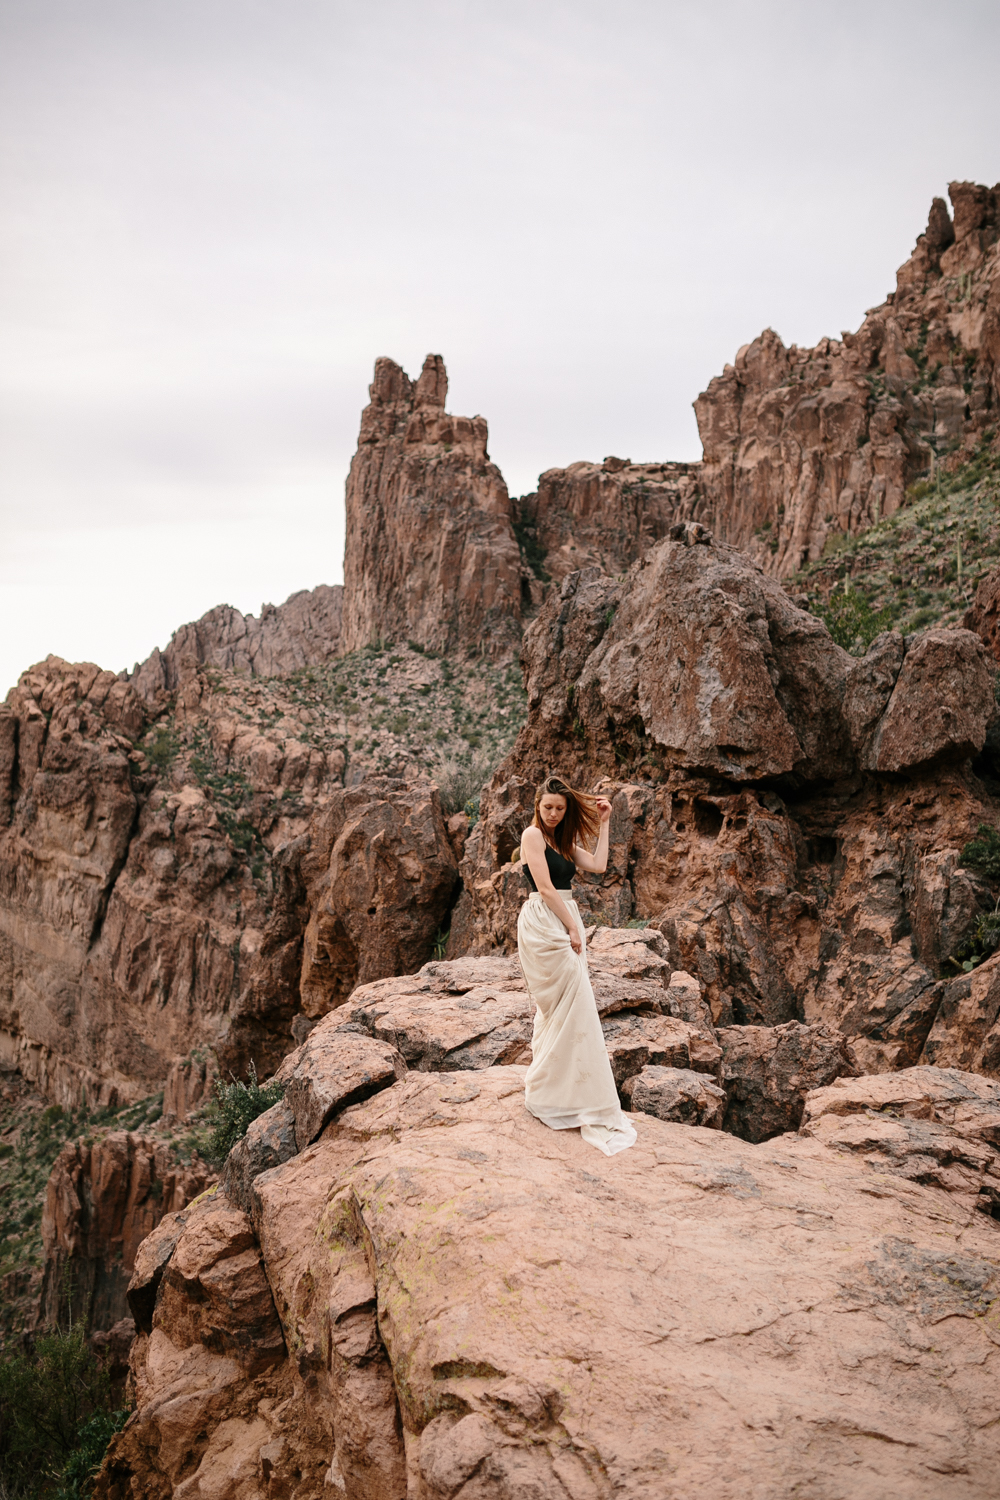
pixel 767 1071
pixel 982 616
pixel 379 876
pixel 603 515
pixel 637 1041
pixel 933 1125
pixel 681 1095
pixel 430 552
pixel 828 892
pixel 214 1290
pixel 941 703
pixel 471 1300
pixel 73 808
pixel 269 1141
pixel 302 632
pixel 966 1026
pixel 336 1065
pixel 801 445
pixel 101 1202
pixel 474 1013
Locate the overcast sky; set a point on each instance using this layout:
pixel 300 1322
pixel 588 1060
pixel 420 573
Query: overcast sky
pixel 217 213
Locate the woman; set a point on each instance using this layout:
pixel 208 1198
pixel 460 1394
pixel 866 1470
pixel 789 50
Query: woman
pixel 569 1082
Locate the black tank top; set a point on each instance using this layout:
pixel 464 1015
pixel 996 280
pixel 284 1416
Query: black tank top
pixel 561 870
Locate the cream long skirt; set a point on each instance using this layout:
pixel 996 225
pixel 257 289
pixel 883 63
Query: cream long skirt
pixel 569 1083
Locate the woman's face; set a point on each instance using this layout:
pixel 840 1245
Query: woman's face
pixel 552 810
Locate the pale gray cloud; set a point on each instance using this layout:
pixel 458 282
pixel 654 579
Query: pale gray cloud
pixel 217 213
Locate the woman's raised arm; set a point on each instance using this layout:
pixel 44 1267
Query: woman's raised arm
pixel 596 863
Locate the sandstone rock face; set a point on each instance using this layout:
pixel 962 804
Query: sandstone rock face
pixel 302 632
pixel 801 445
pixel 269 1141
pixel 966 1025
pixel 700 661
pixel 430 551
pixel 933 1125
pixel 471 1013
pixel 335 1067
pixel 101 1202
pixel 457 1287
pixel 982 616
pixel 379 876
pixel 767 1071
pixel 826 890
pixel 474 1013
pixel 71 811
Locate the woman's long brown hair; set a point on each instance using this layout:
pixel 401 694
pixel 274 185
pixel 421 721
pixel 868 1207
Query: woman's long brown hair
pixel 581 822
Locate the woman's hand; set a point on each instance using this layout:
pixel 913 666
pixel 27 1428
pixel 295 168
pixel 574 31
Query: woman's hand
pixel 604 808
pixel 574 940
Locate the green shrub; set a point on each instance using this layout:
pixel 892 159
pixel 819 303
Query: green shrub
pixel 852 622
pixel 55 1417
pixel 460 781
pixel 236 1105
pixel 983 852
pixel 92 1444
pixel 532 551
pixel 162 748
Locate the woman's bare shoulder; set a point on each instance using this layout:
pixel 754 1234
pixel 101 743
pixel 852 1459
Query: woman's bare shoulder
pixel 532 836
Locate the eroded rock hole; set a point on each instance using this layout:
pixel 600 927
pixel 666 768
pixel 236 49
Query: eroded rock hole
pixel 822 851
pixel 708 820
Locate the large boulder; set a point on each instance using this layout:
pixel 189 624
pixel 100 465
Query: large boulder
pixel 940 705
pixel 379 877
pixel 475 1301
pixel 966 1026
pixel 767 1071
pixel 697 661
pixel 678 1094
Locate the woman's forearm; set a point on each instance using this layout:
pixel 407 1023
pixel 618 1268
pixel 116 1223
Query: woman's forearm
pixel 601 852
pixel 557 905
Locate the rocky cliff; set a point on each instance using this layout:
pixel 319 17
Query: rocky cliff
pixel 801 446
pixel 430 555
pixel 273 817
pixel 302 632
pixel 790 816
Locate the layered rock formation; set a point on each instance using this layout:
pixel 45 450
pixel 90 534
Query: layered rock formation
pixel 430 554
pixel 800 445
pixel 602 515
pixel 156 888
